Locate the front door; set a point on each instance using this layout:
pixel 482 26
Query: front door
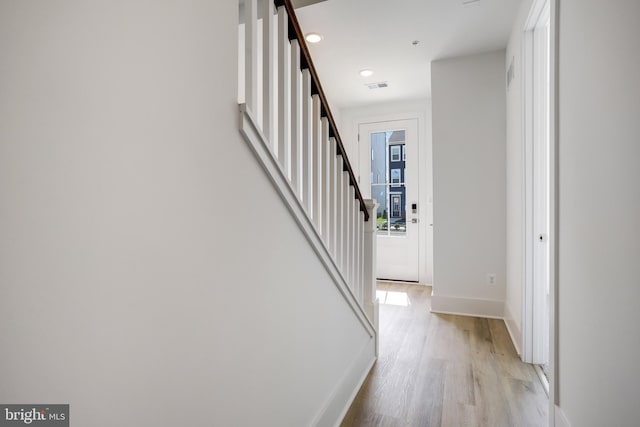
pixel 389 163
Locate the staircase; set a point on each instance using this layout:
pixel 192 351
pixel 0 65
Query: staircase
pixel 287 121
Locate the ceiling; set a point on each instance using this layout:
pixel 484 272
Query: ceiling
pixel 378 34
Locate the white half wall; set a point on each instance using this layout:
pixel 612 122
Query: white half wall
pixel 469 180
pixel 599 213
pixel 148 269
pixel 420 109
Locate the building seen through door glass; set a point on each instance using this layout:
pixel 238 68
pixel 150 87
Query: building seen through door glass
pixel 388 184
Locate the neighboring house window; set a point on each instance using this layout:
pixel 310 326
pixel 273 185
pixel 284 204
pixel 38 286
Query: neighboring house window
pixel 396 200
pixel 395 177
pixel 395 153
pixel 404 153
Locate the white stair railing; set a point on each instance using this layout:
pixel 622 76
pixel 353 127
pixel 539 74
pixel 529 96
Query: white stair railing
pixel 285 113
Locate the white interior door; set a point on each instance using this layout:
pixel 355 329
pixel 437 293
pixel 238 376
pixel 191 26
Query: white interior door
pixel 541 190
pixel 389 174
pixel 538 178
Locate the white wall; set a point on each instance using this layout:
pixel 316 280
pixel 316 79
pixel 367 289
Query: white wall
pixel 149 273
pixel 599 218
pixel 469 183
pixel 420 109
pixel 515 181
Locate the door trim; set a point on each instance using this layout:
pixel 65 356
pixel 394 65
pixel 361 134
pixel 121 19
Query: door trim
pixel 534 319
pixel 396 246
pixel 553 198
pixel 423 159
pixel 421 111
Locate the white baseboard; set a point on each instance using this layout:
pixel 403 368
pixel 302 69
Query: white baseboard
pixel 340 400
pixel 515 332
pixel 560 418
pixel 492 309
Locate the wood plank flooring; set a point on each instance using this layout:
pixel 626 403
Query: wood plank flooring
pixel 444 371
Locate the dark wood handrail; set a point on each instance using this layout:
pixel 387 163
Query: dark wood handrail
pixel 295 32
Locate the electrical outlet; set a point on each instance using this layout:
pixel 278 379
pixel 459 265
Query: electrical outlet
pixel 491 279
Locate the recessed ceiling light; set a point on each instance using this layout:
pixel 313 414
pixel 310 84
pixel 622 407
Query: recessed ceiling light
pixel 366 72
pixel 313 38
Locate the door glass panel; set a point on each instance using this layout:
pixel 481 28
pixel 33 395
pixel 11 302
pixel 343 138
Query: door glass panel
pixel 379 192
pixel 397 214
pixel 388 170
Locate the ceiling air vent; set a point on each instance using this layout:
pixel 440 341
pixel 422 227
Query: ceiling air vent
pixel 378 85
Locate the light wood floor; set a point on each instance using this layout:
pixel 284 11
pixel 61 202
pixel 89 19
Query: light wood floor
pixel 445 370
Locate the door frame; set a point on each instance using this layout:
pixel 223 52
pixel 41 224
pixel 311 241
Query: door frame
pixel 385 114
pixel 406 249
pixel 553 197
pixel 535 319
